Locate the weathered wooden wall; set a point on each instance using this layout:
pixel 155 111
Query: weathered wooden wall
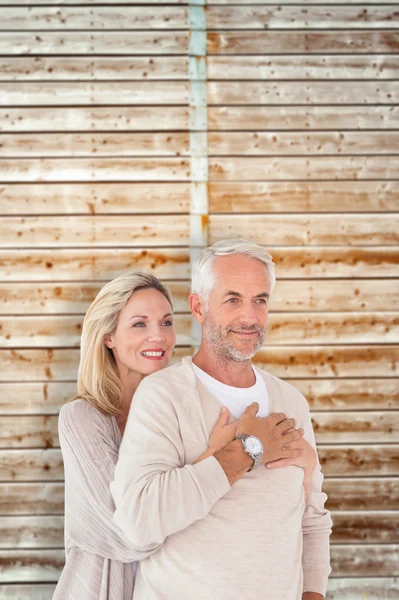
pixel 95 178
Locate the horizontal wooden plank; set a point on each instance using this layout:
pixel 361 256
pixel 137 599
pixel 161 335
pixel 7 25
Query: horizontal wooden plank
pixel 286 362
pixel 32 532
pixel 27 591
pixel 65 93
pixel 244 168
pixel 310 42
pixel 250 168
pixel 63 331
pixel 349 394
pixel 24 465
pixel 163 230
pixel 243 67
pixel 322 395
pixel 45 565
pixel 373 493
pixel 299 17
pixel 97 265
pixel 48 531
pixel 31 398
pixel 371 427
pixel 298 196
pixel 102 17
pixel 104 68
pixel 259 92
pixel 31 566
pixel 47 498
pixel 357 588
pixel 326 361
pixel 367 527
pixel 256 118
pixel 365 560
pixel 343 295
pixel 94 169
pixel 359 461
pixel 295 67
pixel 29 432
pixel 272 230
pixel 74 298
pixel 31 465
pixel 350 427
pixel 100 42
pixel 105 198
pixel 283 329
pixel 360 295
pixel 159 230
pixel 231 143
pixel 104 264
pixel 31 499
pixel 33 145
pixel 118 118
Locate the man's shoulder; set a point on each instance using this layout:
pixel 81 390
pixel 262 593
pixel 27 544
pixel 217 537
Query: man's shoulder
pixel 175 375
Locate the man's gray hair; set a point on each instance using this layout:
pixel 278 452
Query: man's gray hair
pixel 203 277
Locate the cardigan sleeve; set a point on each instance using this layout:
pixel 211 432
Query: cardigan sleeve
pixel 316 528
pixel 90 453
pixel 156 493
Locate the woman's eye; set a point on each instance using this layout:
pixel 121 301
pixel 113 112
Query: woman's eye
pixel 168 323
pixel 138 324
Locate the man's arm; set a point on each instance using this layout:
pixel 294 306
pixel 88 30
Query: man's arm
pixel 155 493
pixel 316 528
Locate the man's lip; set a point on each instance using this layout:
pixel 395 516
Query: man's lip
pixel 244 332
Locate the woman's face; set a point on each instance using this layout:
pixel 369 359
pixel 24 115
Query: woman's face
pixel 144 337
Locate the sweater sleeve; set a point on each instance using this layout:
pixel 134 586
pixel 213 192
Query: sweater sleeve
pixel 90 454
pixel 316 527
pixel 156 493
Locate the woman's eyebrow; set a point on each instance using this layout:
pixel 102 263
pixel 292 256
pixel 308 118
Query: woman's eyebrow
pixel 145 316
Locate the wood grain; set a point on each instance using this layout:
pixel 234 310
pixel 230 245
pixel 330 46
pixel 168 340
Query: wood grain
pixel 105 264
pixel 318 41
pixel 115 118
pixel 301 196
pixel 254 118
pixel 68 297
pixel 96 198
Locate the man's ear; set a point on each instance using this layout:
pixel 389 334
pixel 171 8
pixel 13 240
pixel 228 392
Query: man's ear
pixel 108 341
pixel 197 307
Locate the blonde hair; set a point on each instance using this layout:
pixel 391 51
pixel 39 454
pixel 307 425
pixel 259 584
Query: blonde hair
pixel 203 277
pixel 98 378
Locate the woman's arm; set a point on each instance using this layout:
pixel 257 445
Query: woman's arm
pixel 90 455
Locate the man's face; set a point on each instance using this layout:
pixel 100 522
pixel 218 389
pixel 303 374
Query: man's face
pixel 235 322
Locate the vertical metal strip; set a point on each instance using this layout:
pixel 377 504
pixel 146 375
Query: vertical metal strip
pixel 198 138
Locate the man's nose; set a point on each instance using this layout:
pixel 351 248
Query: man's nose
pixel 248 314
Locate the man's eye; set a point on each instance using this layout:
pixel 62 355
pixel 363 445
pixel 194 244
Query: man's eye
pixel 261 300
pixel 232 300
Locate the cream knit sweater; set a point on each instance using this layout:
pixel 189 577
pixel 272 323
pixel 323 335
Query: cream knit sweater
pixel 257 538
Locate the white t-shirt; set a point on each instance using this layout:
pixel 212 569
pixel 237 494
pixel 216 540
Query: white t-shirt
pixel 237 399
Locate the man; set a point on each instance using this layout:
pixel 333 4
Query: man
pixel 226 526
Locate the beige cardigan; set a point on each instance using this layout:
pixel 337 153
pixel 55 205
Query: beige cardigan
pixel 257 538
pixel 98 555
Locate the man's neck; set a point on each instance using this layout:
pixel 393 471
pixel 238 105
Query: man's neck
pixel 229 372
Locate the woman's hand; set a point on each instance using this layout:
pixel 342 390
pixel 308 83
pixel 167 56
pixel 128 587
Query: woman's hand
pixel 307 460
pixel 222 434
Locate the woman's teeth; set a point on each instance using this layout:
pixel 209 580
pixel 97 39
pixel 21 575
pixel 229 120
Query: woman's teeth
pixel 152 353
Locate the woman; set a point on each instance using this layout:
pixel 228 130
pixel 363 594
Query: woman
pixel 127 334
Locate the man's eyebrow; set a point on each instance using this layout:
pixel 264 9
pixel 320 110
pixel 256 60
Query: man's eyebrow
pixel 145 316
pixel 238 295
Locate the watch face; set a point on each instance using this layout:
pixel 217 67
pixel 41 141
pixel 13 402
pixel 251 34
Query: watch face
pixel 253 445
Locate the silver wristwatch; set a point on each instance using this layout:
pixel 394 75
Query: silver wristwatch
pixel 252 446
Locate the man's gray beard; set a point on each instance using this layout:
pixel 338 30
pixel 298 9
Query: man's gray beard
pixel 217 338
